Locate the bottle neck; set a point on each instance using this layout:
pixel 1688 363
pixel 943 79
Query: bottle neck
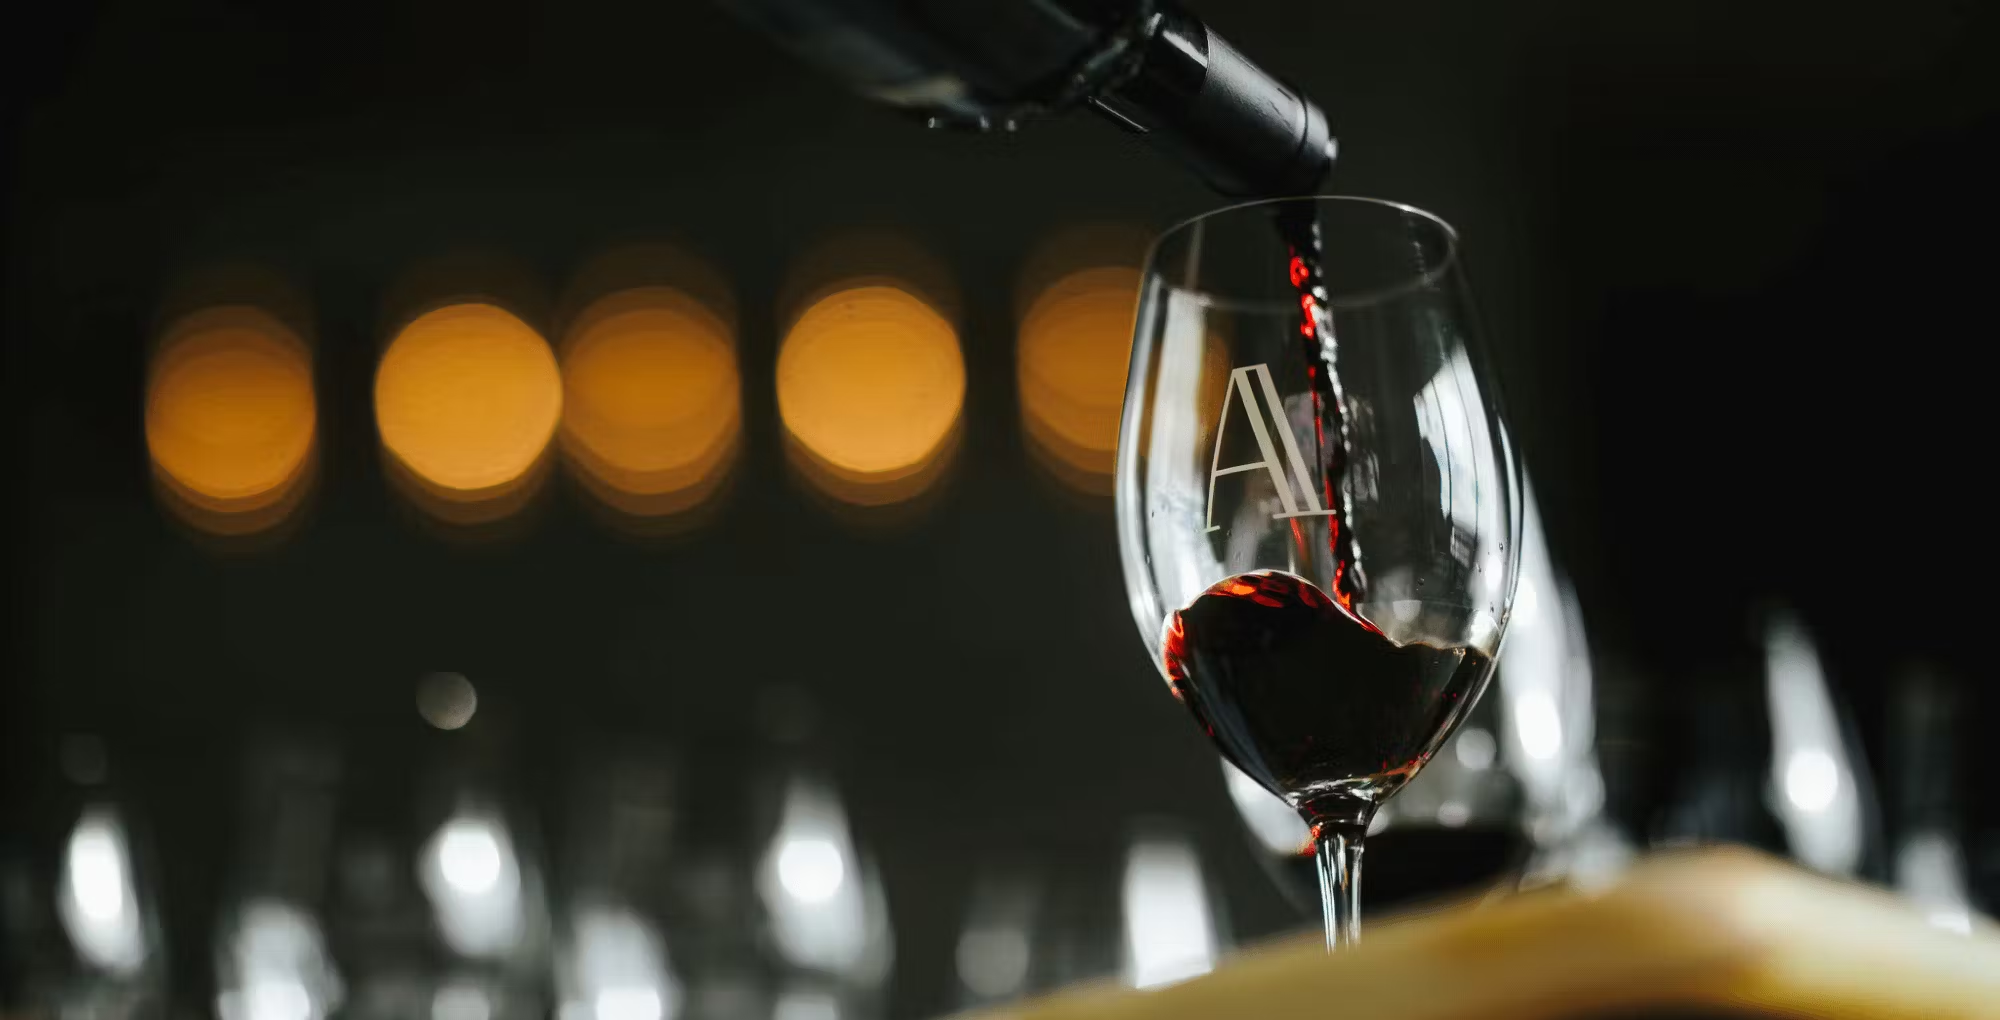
pixel 996 64
pixel 1203 102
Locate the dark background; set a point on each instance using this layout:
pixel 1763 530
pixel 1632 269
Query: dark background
pixel 1735 259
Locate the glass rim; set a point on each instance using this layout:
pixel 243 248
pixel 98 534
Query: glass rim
pixel 1353 300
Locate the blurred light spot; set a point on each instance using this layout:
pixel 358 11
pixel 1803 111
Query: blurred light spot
pixel 1275 824
pixel 231 418
pixel 467 398
pixel 811 869
pixel 1815 792
pixel 469 858
pixel 461 1002
pixel 1475 748
pixel 266 999
pixel 616 968
pixel 1381 820
pixel 796 1005
pixel 1544 692
pixel 1527 604
pixel 1169 934
pixel 1930 871
pixel 99 907
pixel 275 966
pixel 1075 342
pixel 1811 780
pixel 96 874
pixel 823 908
pixel 1956 921
pixel 993 962
pixel 994 947
pixel 471 876
pixel 652 403
pixel 1453 813
pixel 870 386
pixel 446 700
pixel 628 1004
pixel 1539 725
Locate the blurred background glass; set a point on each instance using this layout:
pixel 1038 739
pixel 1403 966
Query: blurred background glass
pixel 788 419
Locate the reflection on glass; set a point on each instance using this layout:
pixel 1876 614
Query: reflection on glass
pixel 1929 863
pixel 652 402
pixel 613 959
pixel 1278 828
pixel 1930 870
pixel 467 399
pixel 806 1004
pixel 615 967
pixel 274 966
pixel 1817 794
pixel 472 877
pixel 99 901
pixel 825 909
pixel 461 999
pixel 1170 932
pixel 1460 787
pixel 1548 723
pixel 995 949
pixel 871 383
pixel 231 419
pixel 272 956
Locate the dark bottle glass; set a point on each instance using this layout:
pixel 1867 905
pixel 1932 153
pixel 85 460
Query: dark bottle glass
pixel 997 64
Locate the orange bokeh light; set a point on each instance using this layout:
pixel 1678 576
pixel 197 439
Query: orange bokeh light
pixel 466 400
pixel 231 419
pixel 652 399
pixel 1075 341
pixel 871 383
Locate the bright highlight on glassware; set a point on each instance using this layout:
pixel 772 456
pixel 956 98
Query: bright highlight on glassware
pixel 1275 824
pixel 275 966
pixel 1169 930
pixel 811 870
pixel 871 384
pixel 99 905
pixel 231 420
pixel 615 967
pixel 799 1004
pixel 467 399
pixel 995 951
pixel 652 401
pixel 461 1000
pixel 468 857
pixel 1816 796
pixel 472 878
pixel 826 912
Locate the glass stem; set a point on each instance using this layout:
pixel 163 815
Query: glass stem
pixel 1337 851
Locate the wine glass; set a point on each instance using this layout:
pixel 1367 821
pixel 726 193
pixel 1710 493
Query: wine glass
pixel 1317 502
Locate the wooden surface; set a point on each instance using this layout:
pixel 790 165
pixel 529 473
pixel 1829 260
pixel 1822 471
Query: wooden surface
pixel 1720 930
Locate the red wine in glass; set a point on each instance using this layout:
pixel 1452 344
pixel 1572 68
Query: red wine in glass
pixel 1307 698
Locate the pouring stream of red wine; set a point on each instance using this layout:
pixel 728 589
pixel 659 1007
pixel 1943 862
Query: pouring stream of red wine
pixel 1305 270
